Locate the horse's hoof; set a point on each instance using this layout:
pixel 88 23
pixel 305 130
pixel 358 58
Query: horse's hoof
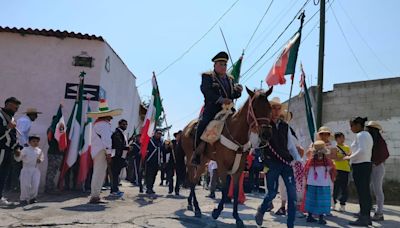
pixel 215 213
pixel 197 214
pixel 239 224
pixel 190 207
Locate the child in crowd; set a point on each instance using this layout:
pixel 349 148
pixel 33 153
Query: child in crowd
pixel 343 171
pixel 319 171
pixel 30 175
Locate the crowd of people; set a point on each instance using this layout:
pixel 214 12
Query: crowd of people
pixel 311 181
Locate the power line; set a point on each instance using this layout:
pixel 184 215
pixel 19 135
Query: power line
pixel 259 23
pixel 279 49
pixel 348 45
pixel 365 42
pixel 277 19
pixel 280 35
pixel 193 45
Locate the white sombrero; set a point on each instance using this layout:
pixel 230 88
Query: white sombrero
pixel 374 124
pixel 104 110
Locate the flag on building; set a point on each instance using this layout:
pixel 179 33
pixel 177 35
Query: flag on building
pixel 152 115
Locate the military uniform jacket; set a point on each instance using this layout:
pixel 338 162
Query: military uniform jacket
pixel 119 142
pixel 154 152
pixel 215 88
pixel 8 137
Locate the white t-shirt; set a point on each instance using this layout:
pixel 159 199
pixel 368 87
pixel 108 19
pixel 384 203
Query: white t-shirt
pixel 361 148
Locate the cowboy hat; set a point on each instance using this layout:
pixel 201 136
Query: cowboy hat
pixel 374 124
pixel 32 111
pixel 324 129
pixel 277 101
pixel 287 116
pixel 104 111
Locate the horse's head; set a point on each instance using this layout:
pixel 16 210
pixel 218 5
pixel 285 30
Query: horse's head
pixel 259 116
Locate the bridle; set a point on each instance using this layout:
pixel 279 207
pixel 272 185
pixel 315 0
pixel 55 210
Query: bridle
pixel 255 124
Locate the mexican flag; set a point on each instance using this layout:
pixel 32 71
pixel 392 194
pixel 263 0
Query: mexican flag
pixel 57 130
pixel 74 132
pixel 60 133
pixel 286 63
pixel 308 105
pixel 152 115
pixel 85 159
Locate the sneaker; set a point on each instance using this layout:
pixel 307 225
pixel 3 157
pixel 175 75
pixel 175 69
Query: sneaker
pixel 322 221
pixel 94 200
pixel 117 194
pixel 300 214
pixel 23 203
pixel 212 196
pixel 311 219
pixel 281 211
pixel 361 221
pixel 342 208
pixel 4 202
pixel 34 200
pixel 377 217
pixel 259 217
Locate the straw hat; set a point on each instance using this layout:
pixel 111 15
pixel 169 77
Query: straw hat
pixel 324 129
pixel 287 116
pixel 32 111
pixel 104 110
pixel 277 101
pixel 374 124
pixel 319 147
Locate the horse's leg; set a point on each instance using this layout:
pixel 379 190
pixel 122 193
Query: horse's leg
pixel 236 182
pixel 197 211
pixel 190 200
pixel 217 211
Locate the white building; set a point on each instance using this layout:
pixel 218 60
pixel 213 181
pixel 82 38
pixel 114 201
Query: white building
pixel 36 65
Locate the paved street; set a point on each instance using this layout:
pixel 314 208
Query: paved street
pixel 138 210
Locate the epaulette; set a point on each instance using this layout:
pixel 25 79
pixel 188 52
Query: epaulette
pixel 230 76
pixel 208 73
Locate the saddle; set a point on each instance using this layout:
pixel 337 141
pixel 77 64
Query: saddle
pixel 213 131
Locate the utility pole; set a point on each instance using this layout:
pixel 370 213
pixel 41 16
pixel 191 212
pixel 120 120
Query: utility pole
pixel 321 62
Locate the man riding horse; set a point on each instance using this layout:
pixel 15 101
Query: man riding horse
pixel 218 88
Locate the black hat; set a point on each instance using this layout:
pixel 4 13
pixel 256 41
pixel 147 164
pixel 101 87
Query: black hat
pixel 33 137
pixel 222 56
pixel 177 133
pixel 12 100
pixel 158 131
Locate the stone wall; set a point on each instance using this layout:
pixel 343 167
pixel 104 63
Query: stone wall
pixel 376 99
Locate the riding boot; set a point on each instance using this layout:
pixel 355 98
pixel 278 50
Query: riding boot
pixel 197 153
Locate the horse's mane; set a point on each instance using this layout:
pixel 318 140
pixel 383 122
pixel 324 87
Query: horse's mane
pixel 257 93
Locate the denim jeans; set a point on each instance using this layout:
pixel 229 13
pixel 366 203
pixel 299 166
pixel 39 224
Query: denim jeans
pixel 277 169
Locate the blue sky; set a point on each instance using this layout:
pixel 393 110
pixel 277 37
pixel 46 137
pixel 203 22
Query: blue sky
pixel 149 35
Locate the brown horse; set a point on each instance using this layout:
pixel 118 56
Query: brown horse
pixel 250 124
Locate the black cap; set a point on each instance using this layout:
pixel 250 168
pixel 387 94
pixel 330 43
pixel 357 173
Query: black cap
pixel 177 133
pixel 12 100
pixel 222 56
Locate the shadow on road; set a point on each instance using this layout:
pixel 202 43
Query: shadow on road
pixel 86 207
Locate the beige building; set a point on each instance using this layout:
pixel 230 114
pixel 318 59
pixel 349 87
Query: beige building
pixel 37 66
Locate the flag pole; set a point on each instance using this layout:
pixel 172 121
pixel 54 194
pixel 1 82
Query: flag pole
pixel 301 17
pixel 226 44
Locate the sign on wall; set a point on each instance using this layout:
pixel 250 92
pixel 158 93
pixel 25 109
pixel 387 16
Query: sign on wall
pixel 90 92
